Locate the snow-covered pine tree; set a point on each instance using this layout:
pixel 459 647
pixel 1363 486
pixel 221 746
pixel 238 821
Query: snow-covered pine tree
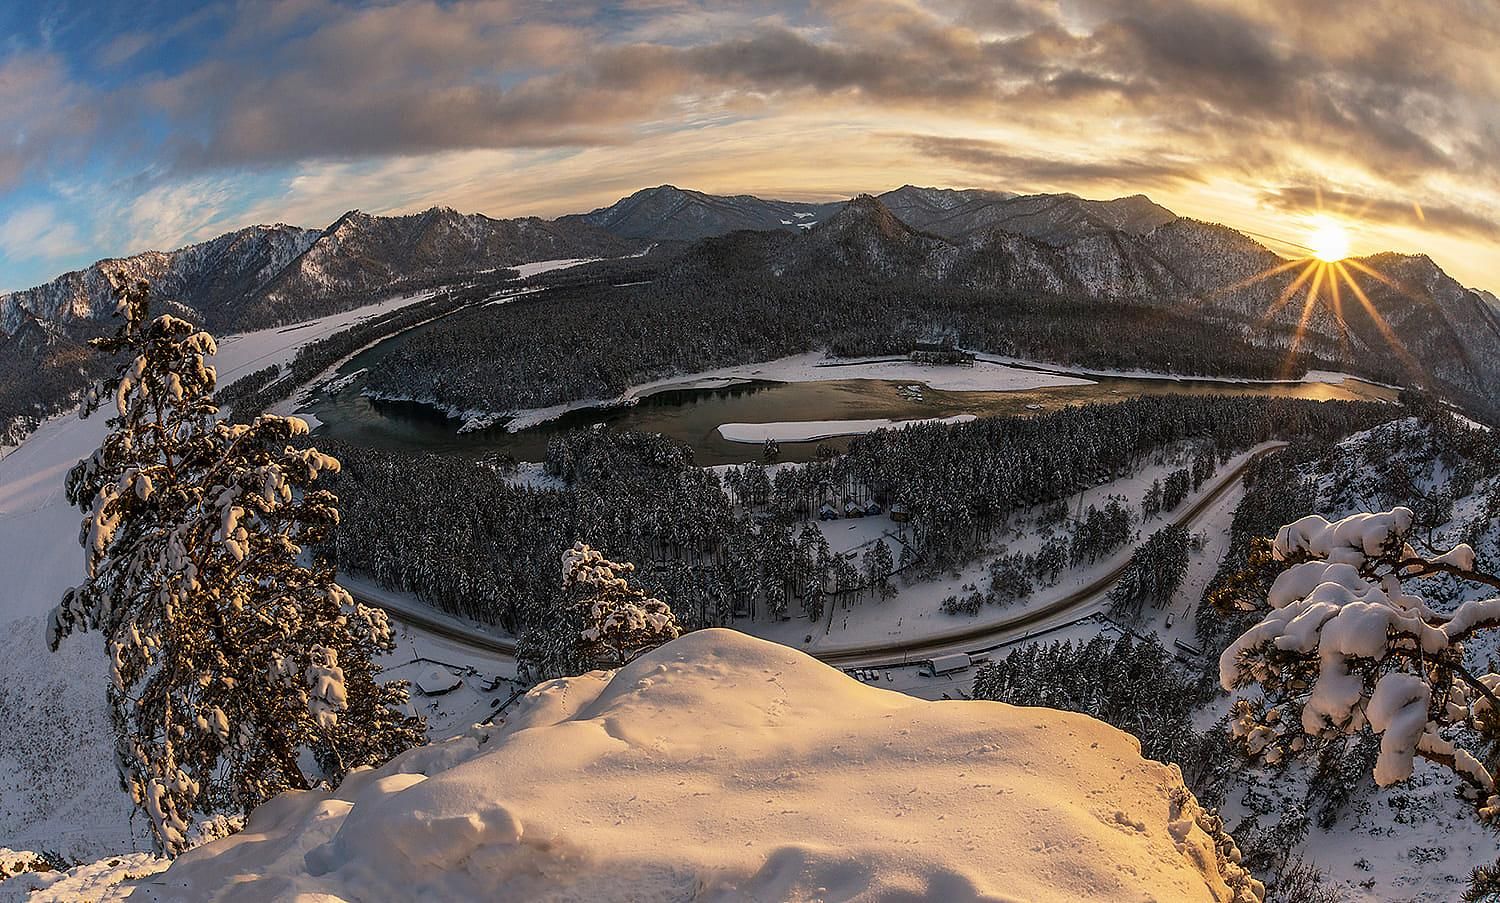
pixel 1344 647
pixel 1156 569
pixel 238 671
pixel 602 622
pixel 878 566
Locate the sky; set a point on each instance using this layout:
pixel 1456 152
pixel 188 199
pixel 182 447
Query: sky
pixel 150 124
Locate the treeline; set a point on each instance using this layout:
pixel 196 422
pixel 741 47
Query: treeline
pixel 42 376
pixel 1137 686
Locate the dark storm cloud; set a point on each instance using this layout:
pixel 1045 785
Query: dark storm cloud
pixel 1220 53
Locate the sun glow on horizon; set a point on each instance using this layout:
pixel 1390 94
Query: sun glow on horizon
pixel 1321 274
pixel 1329 240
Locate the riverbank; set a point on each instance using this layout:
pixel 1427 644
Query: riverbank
pixel 984 376
pixel 814 430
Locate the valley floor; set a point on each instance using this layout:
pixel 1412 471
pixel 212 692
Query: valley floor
pixel 58 793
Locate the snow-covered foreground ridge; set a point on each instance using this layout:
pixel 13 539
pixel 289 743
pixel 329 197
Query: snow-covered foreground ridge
pixel 725 767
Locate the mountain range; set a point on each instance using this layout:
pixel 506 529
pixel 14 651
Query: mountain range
pixel 1127 249
pixel 1408 321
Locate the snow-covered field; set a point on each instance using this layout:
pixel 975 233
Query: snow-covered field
pixel 720 767
pixel 914 614
pixel 1331 377
pixel 811 430
pixel 984 376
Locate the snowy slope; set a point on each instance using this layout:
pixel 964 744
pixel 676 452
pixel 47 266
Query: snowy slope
pixel 212 277
pixel 59 790
pixel 1415 842
pixel 724 767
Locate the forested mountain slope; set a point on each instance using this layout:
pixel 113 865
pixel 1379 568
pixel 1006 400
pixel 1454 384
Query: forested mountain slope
pixel 1391 316
pixel 1181 297
pixel 362 254
pixel 256 277
pixel 214 278
pixel 1051 276
pixel 1057 219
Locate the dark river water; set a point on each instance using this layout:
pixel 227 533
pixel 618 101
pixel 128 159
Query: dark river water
pixel 692 416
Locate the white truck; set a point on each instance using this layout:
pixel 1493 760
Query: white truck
pixel 939 665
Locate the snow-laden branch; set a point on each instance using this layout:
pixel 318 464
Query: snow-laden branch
pixel 1346 646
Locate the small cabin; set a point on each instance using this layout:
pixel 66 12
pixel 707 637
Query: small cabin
pixel 854 509
pixel 900 513
pixel 1187 647
pixel 873 509
pixel 827 512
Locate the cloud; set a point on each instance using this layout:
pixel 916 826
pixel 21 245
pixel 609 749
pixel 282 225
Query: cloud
pixel 1452 219
pixel 123 48
pixel 45 117
pixel 310 79
pixel 1020 172
pixel 35 233
pixel 296 108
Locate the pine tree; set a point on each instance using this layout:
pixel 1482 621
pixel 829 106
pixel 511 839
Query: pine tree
pixel 878 567
pixel 1345 646
pixel 1484 885
pixel 602 620
pixel 238 672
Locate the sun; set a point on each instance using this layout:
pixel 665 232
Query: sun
pixel 1321 270
pixel 1329 240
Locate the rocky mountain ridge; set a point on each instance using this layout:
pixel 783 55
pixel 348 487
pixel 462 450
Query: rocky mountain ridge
pixel 215 275
pixel 669 213
pixel 1418 321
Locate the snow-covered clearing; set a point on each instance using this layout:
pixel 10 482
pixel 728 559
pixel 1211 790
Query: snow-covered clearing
pixel 546 266
pixel 811 430
pixel 485 680
pixel 1331 377
pixel 984 376
pixel 722 767
pixel 914 615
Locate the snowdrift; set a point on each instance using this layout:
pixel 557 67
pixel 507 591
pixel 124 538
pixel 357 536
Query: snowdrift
pixel 723 767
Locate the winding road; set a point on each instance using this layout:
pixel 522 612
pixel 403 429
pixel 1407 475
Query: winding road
pixel 972 640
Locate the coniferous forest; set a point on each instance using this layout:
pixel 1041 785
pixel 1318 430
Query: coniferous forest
pixel 470 538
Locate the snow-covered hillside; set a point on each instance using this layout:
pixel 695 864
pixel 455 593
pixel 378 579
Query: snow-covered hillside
pixel 724 767
pixel 59 791
pixel 212 277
